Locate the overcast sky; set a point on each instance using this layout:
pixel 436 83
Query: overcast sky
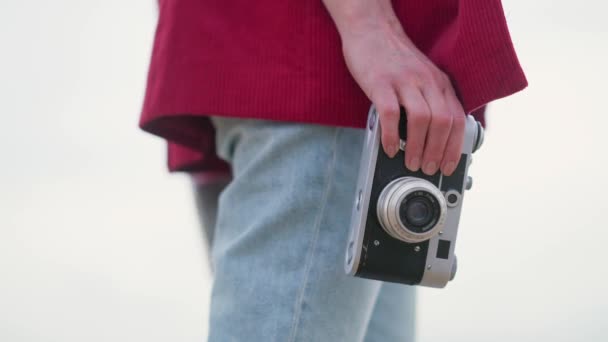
pixel 99 243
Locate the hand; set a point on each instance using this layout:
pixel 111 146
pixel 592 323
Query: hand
pixel 392 71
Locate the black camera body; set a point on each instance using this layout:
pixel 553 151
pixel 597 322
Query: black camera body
pixel 404 224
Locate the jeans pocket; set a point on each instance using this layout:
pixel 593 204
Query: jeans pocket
pixel 228 132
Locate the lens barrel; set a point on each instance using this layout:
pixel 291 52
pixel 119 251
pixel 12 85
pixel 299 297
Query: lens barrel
pixel 411 209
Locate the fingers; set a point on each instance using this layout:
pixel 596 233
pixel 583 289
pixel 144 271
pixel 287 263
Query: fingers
pixel 438 131
pixel 435 126
pixel 453 149
pixel 387 106
pixel 418 119
pixel 435 123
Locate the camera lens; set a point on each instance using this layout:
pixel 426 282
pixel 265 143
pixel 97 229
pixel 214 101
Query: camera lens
pixel 416 212
pixel 411 209
pixel 419 211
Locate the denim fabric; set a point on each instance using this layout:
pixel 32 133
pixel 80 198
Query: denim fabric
pixel 279 241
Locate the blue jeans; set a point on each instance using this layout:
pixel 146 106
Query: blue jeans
pixel 280 237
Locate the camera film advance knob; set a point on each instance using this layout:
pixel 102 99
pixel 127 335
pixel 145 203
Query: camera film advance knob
pixel 478 137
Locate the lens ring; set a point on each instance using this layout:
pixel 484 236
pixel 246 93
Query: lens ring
pixel 390 202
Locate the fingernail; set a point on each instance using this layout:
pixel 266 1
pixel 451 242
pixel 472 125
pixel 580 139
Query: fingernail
pixel 414 164
pixel 430 168
pixel 390 151
pixel 396 150
pixel 449 168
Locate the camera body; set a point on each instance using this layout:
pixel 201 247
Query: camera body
pixel 404 224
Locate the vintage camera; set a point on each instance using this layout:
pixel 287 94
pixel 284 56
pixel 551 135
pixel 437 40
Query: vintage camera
pixel 404 223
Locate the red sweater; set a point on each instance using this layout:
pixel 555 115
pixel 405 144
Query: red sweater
pixel 282 60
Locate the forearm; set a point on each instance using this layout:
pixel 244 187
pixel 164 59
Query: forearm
pixel 353 16
pixel 392 72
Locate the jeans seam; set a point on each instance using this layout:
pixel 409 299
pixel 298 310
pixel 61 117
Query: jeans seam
pixel 313 243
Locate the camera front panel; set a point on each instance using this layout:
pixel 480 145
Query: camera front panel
pixel 384 257
pixel 371 251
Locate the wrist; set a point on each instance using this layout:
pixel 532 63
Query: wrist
pixel 368 32
pixel 355 19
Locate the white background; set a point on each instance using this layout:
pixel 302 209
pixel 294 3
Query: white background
pixel 99 243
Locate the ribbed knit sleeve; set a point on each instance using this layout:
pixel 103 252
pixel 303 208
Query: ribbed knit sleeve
pixel 282 60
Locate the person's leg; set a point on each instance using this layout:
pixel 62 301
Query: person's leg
pixel 282 225
pixel 206 193
pixel 394 316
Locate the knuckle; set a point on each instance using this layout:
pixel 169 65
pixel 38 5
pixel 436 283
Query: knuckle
pixel 442 80
pixel 389 114
pixel 442 122
pixel 380 81
pixel 419 118
pixel 458 122
pixel 460 116
pixel 387 109
pixel 420 78
pixel 383 104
